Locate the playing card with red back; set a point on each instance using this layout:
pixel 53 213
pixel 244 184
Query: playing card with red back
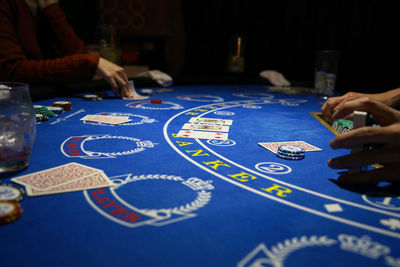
pixel 53 177
pixel 273 146
pixel 96 180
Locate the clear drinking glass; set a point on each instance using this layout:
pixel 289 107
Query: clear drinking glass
pixel 326 66
pixel 109 44
pixel 17 127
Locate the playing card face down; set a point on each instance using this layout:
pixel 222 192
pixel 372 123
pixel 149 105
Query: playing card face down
pixel 273 146
pixel 50 178
pixel 96 180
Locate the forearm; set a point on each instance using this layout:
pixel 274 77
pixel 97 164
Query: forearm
pixel 65 69
pixel 391 98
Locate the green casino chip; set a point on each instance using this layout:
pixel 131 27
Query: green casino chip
pixel 342 126
pixel 44 111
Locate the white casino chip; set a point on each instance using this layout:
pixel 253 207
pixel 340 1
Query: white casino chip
pixel 11 193
pixel 291 149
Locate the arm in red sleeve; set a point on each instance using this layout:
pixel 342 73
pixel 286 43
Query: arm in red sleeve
pixel 20 57
pixel 65 69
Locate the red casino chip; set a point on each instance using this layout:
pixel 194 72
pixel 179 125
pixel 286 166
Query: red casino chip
pixel 66 105
pixel 156 101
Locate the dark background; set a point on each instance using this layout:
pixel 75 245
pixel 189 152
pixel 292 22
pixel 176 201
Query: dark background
pixel 282 35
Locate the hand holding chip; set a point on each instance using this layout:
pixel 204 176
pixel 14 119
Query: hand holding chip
pixel 387 137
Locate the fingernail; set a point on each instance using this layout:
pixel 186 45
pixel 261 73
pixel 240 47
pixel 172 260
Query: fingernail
pixel 329 162
pixel 332 163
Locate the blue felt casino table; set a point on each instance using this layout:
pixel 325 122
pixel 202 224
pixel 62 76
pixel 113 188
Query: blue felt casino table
pixel 197 202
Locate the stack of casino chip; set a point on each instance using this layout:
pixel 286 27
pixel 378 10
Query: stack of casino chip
pixel 44 111
pixel 290 152
pixel 55 110
pixel 10 209
pixel 11 193
pixel 41 118
pixel 92 97
pixel 66 105
pixel 342 126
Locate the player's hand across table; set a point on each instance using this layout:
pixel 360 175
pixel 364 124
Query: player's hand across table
pixel 331 105
pixel 115 76
pixel 386 137
pixel 390 98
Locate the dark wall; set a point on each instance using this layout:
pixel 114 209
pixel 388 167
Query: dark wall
pixel 82 15
pixel 284 35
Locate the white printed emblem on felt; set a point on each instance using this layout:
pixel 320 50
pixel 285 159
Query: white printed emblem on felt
pixel 333 207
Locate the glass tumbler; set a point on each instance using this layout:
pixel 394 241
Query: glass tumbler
pixel 17 127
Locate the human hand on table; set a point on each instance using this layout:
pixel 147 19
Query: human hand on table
pixel 387 136
pixel 115 76
pixel 391 98
pixel 330 106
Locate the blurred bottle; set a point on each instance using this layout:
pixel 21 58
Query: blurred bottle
pixel 237 46
pixel 326 66
pixel 109 44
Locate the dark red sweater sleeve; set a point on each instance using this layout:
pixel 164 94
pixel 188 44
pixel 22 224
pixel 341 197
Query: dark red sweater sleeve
pixel 20 55
pixel 64 69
